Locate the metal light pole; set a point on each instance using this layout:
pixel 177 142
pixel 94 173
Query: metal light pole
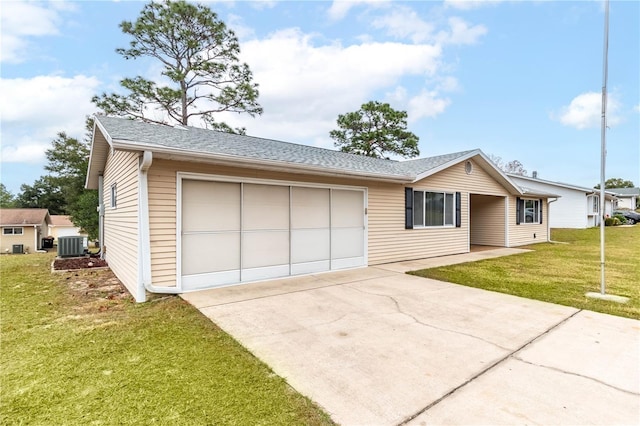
pixel 603 143
pixel 603 155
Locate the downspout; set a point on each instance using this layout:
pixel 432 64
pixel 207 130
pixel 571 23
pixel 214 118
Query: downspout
pixel 144 269
pixel 101 215
pixel 548 218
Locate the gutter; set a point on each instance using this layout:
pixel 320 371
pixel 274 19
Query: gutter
pixel 144 240
pixel 549 218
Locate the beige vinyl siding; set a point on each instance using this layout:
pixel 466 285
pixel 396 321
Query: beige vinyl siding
pixel 455 178
pixel 388 240
pixel 121 222
pixel 27 239
pixel 487 217
pixel 523 234
pixel 162 222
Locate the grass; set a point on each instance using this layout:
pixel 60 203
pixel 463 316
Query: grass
pixel 70 357
pixel 561 273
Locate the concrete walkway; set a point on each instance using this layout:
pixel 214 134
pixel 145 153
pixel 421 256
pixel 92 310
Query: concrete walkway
pixel 375 346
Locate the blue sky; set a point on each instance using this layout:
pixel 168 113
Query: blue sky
pixel 519 80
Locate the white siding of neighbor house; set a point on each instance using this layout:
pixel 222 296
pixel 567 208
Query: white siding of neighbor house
pixel 627 203
pixel 527 233
pixel 570 210
pixel 121 222
pixel 388 240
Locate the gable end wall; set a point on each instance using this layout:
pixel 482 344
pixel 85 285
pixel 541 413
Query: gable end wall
pixel 121 223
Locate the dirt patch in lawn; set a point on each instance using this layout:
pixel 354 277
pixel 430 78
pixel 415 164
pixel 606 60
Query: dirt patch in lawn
pixel 96 291
pixel 78 263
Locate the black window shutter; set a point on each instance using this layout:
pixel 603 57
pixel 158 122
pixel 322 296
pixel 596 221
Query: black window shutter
pixel 518 208
pixel 408 208
pixel 541 211
pixel 458 210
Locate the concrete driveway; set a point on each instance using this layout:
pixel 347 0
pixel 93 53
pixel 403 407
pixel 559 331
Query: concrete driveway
pixel 375 346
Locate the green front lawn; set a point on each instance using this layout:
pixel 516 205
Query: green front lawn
pixel 561 273
pixel 75 356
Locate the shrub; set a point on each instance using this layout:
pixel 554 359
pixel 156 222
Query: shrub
pixel 621 219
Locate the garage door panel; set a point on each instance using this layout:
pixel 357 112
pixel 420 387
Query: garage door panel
pixel 210 280
pixel 265 248
pixel 310 245
pixel 347 208
pixel 210 206
pixel 347 242
pixel 310 208
pixel 203 253
pixel 265 207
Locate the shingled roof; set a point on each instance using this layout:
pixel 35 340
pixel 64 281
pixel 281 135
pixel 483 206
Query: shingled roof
pixel 23 217
pixel 199 144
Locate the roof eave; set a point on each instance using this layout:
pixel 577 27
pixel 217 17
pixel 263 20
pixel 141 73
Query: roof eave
pixel 496 172
pixel 91 181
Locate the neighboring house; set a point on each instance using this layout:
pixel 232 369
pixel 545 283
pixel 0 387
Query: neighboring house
pixel 61 226
pixel 184 208
pixel 22 230
pixel 627 197
pixel 576 206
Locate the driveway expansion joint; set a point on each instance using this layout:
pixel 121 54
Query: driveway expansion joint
pixel 487 369
pixel 302 290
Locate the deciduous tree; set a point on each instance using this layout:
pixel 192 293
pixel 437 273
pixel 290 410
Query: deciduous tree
pixel 375 130
pixel 199 58
pixel 514 166
pixel 616 183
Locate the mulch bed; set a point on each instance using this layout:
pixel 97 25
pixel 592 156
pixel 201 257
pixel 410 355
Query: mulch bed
pixel 78 263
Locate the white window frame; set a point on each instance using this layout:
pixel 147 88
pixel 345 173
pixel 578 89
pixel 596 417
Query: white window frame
pixel 536 211
pixel 13 230
pixel 445 212
pixel 114 195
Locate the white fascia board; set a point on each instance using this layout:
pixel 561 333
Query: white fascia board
pixel 445 166
pixel 233 160
pixel 505 179
pixel 96 126
pixel 552 183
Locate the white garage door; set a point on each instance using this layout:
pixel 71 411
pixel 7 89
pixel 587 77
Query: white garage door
pixel 241 232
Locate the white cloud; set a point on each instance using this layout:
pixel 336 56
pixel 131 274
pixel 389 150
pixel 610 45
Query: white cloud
pixel 470 4
pixel 21 21
pixel 461 32
pixel 585 111
pixel 303 87
pixel 427 103
pixel 340 8
pixel 404 22
pixel 27 151
pixel 34 110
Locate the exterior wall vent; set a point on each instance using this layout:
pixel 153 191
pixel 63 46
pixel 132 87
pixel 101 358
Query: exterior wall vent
pixel 18 249
pixel 71 246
